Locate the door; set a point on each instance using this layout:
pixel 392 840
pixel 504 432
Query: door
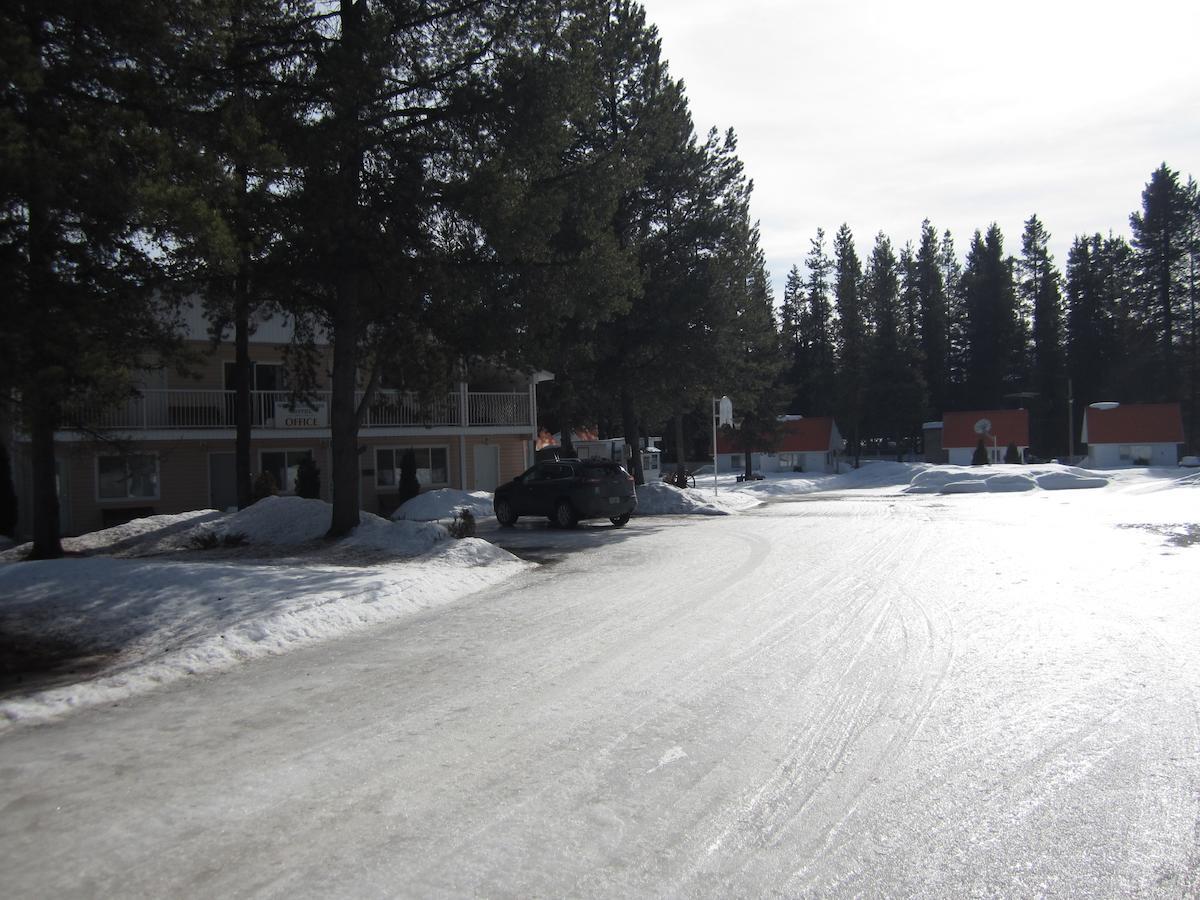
pixel 222 481
pixel 487 467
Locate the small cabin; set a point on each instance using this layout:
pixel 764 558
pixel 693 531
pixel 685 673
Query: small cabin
pixel 1133 434
pixel 997 428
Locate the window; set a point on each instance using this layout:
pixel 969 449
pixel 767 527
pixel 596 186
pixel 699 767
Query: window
pixel 735 460
pixel 265 377
pixel 432 465
pixel 130 477
pixel 284 465
pixel 1136 454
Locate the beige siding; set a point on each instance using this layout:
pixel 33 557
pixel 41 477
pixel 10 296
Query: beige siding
pixel 512 456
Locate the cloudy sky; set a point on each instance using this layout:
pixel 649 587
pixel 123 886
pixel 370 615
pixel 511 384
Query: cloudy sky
pixel 880 114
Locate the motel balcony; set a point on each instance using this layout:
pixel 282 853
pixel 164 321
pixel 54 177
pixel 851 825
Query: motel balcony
pixel 182 410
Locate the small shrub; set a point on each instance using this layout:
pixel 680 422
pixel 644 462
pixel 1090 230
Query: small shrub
pixel 463 525
pixel 1012 456
pixel 980 456
pixel 308 479
pixel 206 540
pixel 264 486
pixel 409 487
pixel 210 540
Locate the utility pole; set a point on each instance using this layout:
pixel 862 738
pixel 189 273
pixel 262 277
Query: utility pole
pixel 1070 423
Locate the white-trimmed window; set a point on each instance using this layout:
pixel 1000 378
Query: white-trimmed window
pixel 284 466
pixel 1137 454
pixel 735 461
pixel 433 465
pixel 133 476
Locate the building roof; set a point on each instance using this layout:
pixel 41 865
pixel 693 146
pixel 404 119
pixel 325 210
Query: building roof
pixel 1006 426
pixel 1134 423
pixel 815 435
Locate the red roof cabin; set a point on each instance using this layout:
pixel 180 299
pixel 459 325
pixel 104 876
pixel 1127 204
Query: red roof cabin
pixel 961 432
pixel 804 445
pixel 1133 434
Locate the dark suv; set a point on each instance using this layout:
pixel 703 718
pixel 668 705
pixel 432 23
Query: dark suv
pixel 567 490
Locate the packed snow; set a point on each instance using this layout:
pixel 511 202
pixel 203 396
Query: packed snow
pixel 846 690
pixel 995 479
pixel 271 584
pixel 662 499
pixel 445 503
pixel 172 595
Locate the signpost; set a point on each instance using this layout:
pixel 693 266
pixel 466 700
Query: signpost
pixel 722 415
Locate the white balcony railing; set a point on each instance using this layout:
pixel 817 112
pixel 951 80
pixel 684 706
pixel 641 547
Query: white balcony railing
pixel 190 409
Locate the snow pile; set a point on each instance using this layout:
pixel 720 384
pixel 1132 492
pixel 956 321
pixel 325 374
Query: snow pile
pixel 399 538
pixel 287 521
pixel 276 520
pixel 1002 479
pixel 871 475
pixel 1070 478
pixel 444 503
pixel 145 537
pixel 163 620
pixel 662 499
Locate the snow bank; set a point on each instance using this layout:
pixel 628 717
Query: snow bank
pixel 289 521
pixel 443 504
pixel 1002 479
pixel 661 499
pixel 1070 478
pixel 149 535
pixel 871 475
pixel 164 620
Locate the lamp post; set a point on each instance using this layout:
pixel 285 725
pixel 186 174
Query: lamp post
pixel 722 415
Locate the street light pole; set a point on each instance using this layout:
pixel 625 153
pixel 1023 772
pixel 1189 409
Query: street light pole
pixel 722 414
pixel 1070 423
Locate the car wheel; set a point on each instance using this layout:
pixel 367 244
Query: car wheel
pixel 618 521
pixel 564 514
pixel 504 513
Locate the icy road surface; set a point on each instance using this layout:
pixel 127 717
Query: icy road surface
pixel 944 696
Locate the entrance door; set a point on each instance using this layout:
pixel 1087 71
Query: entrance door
pixel 222 481
pixel 487 467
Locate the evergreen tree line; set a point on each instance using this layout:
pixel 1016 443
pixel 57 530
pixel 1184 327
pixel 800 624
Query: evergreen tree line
pixel 910 335
pixel 418 183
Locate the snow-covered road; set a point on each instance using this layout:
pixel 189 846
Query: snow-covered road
pixel 874 694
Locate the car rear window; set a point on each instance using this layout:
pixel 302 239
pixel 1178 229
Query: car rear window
pixel 609 469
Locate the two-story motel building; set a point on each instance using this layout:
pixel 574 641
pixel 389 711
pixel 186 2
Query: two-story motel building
pixel 170 447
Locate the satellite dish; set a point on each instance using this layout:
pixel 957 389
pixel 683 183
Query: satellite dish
pixel 1104 404
pixel 983 426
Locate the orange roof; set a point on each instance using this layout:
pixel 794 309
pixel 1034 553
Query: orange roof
pixel 796 436
pixel 1007 426
pixel 1150 423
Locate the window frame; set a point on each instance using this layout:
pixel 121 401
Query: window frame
pixel 395 467
pixel 291 490
pixel 125 458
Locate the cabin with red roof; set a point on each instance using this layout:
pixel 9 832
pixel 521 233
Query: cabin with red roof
pixel 1133 434
pixel 804 445
pixel 961 432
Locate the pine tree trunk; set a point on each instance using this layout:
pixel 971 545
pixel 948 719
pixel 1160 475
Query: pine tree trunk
pixel 43 421
pixel 680 455
pixel 633 438
pixel 242 375
pixel 343 415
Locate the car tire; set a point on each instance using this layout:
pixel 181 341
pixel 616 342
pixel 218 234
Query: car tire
pixel 505 514
pixel 564 514
pixel 619 521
